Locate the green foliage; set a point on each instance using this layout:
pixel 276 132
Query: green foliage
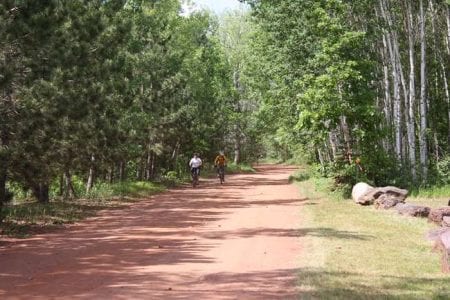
pixel 443 170
pixel 24 217
pixel 136 189
pixel 17 191
pixel 300 176
pixel 239 168
pixel 435 191
pixel 121 90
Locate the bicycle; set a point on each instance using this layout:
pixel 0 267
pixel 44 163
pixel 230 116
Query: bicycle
pixel 194 174
pixel 221 173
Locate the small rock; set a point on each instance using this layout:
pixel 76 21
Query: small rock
pixel 437 215
pixel 412 210
pixel 446 221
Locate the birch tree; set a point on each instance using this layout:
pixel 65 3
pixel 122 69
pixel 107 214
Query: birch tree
pixel 423 96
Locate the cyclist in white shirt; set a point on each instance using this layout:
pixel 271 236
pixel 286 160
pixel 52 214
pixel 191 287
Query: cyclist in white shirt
pixel 195 164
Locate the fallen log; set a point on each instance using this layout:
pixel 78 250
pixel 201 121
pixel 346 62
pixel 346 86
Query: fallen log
pixel 441 239
pixel 364 194
pixel 412 210
pixel 437 215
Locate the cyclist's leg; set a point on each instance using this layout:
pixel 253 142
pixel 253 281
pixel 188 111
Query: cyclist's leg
pixel 222 172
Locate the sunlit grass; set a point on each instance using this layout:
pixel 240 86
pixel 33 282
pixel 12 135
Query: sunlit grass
pixel 239 168
pixel 442 191
pixel 436 196
pixel 358 252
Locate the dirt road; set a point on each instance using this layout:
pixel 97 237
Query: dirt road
pixel 236 241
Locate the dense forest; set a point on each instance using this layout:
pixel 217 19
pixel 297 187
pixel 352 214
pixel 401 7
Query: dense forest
pixel 360 86
pixel 104 91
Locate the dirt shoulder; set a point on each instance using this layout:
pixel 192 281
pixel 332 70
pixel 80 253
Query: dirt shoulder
pixel 236 241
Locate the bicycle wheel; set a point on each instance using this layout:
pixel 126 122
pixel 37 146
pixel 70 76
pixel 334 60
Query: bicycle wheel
pixel 194 180
pixel 222 175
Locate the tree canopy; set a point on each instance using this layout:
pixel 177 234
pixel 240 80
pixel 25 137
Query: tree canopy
pixel 110 90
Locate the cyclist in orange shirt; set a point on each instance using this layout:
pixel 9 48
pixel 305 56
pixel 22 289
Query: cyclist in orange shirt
pixel 220 163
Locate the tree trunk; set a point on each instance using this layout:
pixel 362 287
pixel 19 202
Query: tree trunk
pixel 175 153
pixel 4 161
pixel 412 94
pixel 69 190
pixel 90 181
pixel 111 174
pixel 237 147
pixel 333 139
pixel 40 192
pixel 140 169
pixel 238 110
pixel 448 29
pixel 423 100
pixel 148 166
pixel 436 146
pixel 439 57
pixel 387 104
pixel 321 160
pixel 122 173
pixel 5 134
pixel 347 139
pixel 395 61
pixel 152 165
pixel 387 99
pixel 61 185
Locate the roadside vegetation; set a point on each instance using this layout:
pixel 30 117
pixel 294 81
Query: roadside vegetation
pixel 358 252
pixel 118 91
pixel 111 98
pixel 24 216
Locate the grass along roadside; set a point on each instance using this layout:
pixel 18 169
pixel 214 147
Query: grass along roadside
pixel 25 218
pixel 358 252
pixel 208 171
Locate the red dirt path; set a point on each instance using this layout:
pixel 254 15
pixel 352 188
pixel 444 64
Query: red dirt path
pixel 236 241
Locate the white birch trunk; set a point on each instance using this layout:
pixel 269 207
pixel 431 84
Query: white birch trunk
pixel 347 139
pixel 444 71
pixel 321 160
pixel 423 99
pixel 392 46
pixel 387 89
pixel 448 29
pixel 90 181
pixel 333 141
pixel 412 94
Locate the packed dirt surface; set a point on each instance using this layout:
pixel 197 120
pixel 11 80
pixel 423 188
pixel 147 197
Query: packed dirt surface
pixel 235 241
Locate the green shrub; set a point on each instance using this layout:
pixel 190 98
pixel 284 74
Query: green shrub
pixel 299 176
pixel 443 170
pixel 239 168
pixel 171 178
pixel 17 191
